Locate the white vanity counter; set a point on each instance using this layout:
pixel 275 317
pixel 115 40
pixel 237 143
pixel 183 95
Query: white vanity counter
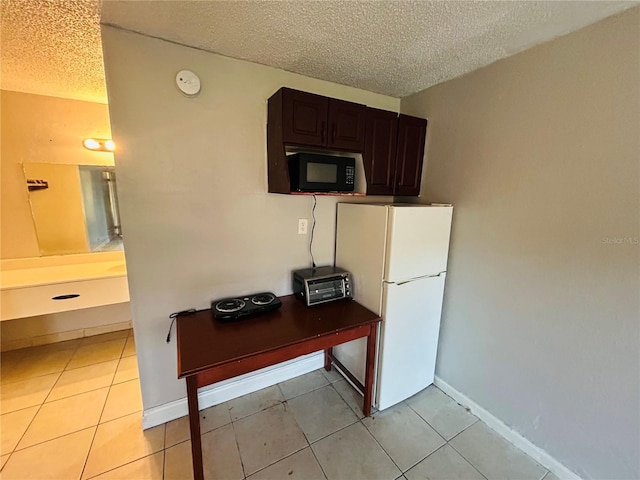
pixel 38 286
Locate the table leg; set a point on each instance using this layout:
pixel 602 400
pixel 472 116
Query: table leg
pixel 370 367
pixel 327 358
pixel 194 426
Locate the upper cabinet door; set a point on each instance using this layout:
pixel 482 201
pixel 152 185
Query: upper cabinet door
pixel 412 132
pixel 346 125
pixel 380 151
pixel 304 118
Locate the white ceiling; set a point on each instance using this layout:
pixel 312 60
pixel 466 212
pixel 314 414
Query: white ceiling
pixel 391 47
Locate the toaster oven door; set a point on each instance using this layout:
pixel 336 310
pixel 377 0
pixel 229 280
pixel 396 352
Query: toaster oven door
pixel 325 290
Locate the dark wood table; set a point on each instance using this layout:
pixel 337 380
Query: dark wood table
pixel 210 351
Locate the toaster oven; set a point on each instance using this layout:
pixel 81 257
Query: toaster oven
pixel 322 284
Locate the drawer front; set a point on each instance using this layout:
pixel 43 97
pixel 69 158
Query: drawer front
pixel 39 300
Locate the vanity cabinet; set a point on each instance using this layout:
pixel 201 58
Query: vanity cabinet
pixel 393 153
pixel 317 121
pixel 53 284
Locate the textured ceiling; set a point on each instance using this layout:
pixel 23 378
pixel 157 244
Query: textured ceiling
pixel 52 48
pixel 391 47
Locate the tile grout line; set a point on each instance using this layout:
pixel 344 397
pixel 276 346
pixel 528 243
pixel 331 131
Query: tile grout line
pixel 436 430
pixel 301 394
pixel 329 383
pixel 449 440
pixel 164 456
pixel 318 461
pixel 109 421
pixel 15 449
pixel 119 416
pixel 67 369
pixel 465 458
pixel 285 406
pixel 75 431
pixel 83 392
pixel 339 429
pixel 284 400
pixel 279 460
pixel 34 376
pixel 41 405
pixel 333 433
pixel 284 403
pixel 463 430
pixel 7 461
pixel 52 439
pixel 383 449
pixel 356 413
pixel 95 433
pixel 57 379
pixel 235 437
pixel 446 442
pixel 125 464
pixel 40 408
pixel 310 444
pixel 436 450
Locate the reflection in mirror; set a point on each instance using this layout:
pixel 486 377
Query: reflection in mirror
pixel 74 207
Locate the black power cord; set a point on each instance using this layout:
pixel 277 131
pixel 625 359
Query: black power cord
pixel 313 227
pixel 173 319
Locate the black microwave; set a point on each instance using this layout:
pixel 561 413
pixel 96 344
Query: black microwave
pixel 310 172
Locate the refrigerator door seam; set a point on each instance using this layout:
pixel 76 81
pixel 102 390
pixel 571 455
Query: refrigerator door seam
pixel 414 279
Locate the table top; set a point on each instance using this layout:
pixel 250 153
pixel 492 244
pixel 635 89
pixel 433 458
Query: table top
pixel 204 342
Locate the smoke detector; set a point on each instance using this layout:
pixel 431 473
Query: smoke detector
pixel 188 83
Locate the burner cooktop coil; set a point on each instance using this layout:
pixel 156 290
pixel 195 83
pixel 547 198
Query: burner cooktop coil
pixel 230 305
pixel 229 309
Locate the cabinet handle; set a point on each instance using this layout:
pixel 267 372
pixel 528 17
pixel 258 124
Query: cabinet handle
pixel 333 133
pixel 322 129
pixel 66 297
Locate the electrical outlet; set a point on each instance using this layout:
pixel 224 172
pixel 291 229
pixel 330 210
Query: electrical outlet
pixel 302 226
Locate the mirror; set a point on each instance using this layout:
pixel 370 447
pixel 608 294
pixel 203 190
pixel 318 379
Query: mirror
pixel 74 207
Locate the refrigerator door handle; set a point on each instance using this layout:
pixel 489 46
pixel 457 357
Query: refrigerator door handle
pixel 417 278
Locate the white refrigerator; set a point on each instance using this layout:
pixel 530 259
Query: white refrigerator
pixel 397 255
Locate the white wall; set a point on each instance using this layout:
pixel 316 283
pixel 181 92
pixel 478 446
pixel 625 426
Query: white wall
pixel 192 185
pixel 540 155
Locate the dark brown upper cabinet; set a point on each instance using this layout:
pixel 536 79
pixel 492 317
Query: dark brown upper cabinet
pixel 393 153
pixel 317 121
pixel 379 154
pixel 392 146
pixel 412 132
pixel 304 118
pixel 346 125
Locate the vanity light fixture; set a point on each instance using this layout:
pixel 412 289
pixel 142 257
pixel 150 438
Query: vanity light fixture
pixel 99 144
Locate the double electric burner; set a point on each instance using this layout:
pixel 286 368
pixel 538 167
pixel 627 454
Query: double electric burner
pixel 235 308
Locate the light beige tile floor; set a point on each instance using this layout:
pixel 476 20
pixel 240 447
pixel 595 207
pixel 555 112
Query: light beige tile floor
pixel 79 416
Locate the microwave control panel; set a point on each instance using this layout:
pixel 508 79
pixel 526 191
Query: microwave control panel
pixel 351 172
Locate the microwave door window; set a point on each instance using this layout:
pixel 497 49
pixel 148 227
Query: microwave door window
pixel 322 173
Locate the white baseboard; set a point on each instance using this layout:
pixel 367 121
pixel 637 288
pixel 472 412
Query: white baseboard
pixel 538 454
pixel 233 388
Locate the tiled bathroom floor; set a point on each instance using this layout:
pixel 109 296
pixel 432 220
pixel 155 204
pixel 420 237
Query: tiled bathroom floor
pixel 73 411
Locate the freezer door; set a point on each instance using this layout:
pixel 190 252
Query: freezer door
pixel 417 241
pixel 409 339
